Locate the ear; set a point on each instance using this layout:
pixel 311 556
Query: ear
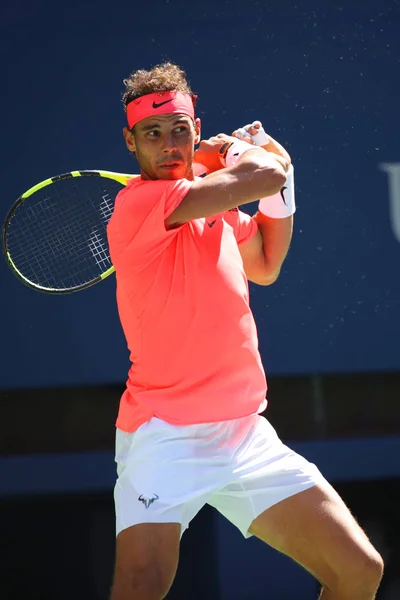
pixel 129 139
pixel 197 129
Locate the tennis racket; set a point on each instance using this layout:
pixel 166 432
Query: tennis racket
pixel 54 236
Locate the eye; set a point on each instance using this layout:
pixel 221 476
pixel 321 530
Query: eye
pixel 153 133
pixel 181 129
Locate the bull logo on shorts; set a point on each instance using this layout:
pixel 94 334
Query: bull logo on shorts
pixel 146 500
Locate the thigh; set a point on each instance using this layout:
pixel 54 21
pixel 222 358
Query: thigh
pixel 317 530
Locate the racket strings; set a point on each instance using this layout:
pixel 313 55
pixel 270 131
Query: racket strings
pixel 57 237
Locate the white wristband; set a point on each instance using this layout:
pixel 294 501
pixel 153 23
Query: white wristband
pixel 230 152
pixel 280 205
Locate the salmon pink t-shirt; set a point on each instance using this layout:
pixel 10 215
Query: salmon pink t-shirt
pixel 183 302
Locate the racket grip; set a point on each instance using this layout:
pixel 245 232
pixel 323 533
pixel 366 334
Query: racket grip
pixel 259 139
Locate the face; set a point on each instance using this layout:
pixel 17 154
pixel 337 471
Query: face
pixel 164 146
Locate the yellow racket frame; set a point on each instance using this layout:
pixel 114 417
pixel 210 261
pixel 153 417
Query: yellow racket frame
pixel 122 178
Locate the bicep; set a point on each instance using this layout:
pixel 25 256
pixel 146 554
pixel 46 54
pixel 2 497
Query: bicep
pixel 253 258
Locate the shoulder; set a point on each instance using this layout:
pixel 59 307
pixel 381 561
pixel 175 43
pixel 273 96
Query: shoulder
pixel 149 191
pixel 139 187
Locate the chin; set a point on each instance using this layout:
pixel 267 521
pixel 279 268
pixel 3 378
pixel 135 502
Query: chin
pixel 169 176
pixel 172 175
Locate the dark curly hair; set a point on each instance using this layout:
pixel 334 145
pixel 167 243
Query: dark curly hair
pixel 165 77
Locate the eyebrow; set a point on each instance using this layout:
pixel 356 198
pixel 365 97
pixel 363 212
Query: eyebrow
pixel 157 125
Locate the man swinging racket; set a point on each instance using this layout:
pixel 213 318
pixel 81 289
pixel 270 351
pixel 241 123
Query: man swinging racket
pixel 189 429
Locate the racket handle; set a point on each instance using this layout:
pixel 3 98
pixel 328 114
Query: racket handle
pixel 259 139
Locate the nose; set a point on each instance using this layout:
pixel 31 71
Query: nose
pixel 168 142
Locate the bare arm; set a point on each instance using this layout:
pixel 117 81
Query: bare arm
pixel 256 174
pixel 263 256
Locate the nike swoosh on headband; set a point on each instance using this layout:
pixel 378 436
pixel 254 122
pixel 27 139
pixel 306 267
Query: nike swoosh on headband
pixel 155 105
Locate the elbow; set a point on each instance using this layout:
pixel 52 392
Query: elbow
pixel 268 278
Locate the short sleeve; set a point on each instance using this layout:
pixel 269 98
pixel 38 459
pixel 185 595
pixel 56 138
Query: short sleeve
pixel 244 226
pixel 138 221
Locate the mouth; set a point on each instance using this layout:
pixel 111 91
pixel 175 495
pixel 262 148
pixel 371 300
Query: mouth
pixel 170 166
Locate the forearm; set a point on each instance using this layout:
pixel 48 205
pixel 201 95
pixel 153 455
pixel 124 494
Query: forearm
pixel 264 260
pixel 276 237
pixel 275 223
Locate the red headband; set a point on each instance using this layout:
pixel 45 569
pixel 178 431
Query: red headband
pixel 159 103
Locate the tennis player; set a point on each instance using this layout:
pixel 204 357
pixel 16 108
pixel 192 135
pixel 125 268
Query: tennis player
pixel 189 429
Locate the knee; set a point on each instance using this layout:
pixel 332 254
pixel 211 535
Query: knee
pixel 155 579
pixel 372 568
pixel 362 576
pixel 150 582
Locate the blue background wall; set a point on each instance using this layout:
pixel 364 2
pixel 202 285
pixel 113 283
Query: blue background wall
pixel 323 78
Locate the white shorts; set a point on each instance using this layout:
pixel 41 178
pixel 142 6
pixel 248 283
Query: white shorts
pixel 167 473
